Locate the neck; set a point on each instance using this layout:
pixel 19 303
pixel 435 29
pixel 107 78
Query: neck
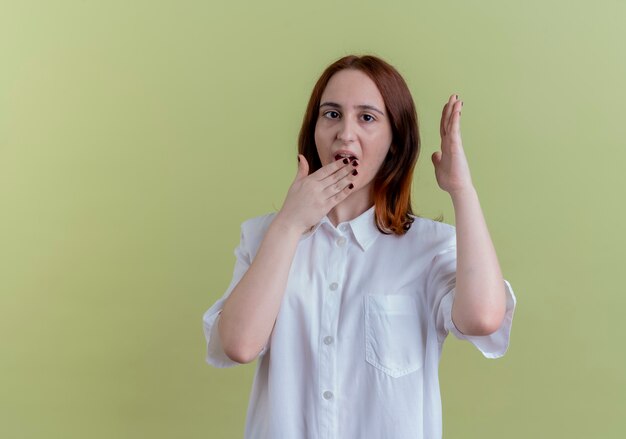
pixel 351 207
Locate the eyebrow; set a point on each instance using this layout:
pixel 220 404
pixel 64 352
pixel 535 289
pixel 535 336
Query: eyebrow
pixel 362 107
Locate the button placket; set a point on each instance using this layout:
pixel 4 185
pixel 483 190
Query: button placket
pixel 328 346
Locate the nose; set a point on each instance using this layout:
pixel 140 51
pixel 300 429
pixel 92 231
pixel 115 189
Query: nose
pixel 347 131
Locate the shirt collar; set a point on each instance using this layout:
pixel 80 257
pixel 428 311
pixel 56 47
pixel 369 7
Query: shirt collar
pixel 363 227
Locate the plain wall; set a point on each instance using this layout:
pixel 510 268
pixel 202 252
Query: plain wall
pixel 135 137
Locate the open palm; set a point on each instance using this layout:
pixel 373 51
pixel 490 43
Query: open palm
pixel 451 168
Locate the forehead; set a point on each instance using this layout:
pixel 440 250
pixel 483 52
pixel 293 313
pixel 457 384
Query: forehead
pixel 349 87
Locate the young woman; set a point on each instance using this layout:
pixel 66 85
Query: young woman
pixel 345 296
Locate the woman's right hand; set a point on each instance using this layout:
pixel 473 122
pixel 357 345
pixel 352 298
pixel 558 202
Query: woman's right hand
pixel 310 197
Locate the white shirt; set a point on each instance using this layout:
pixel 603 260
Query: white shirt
pixel 356 346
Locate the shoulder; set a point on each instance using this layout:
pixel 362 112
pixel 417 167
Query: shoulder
pixel 253 230
pixel 434 234
pixel 427 225
pixel 258 223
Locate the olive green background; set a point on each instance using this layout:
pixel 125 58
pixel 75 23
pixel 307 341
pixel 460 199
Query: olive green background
pixel 135 137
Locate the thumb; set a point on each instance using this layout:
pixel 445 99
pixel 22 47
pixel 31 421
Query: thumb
pixel 436 157
pixel 303 167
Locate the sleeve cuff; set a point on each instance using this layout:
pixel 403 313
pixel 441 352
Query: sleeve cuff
pixel 215 355
pixel 493 345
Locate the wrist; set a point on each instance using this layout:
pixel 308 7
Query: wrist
pixel 463 194
pixel 285 226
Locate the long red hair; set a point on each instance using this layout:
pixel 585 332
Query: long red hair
pixel 391 188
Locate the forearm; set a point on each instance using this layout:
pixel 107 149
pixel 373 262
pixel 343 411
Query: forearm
pixel 479 303
pixel 250 311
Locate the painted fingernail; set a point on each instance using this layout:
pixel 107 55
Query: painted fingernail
pixel 456 96
pixel 298 159
pixel 345 161
pixel 351 186
pixel 355 163
pixel 355 172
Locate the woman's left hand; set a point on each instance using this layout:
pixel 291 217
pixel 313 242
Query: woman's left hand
pixel 451 168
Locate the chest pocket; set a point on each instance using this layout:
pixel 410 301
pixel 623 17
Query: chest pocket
pixel 394 334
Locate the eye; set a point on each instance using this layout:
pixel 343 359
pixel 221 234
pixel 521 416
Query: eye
pixel 330 112
pixel 371 118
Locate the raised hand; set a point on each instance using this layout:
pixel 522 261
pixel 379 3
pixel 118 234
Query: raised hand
pixel 451 168
pixel 310 197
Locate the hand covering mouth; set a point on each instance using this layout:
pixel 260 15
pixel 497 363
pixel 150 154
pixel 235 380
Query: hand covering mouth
pixel 340 156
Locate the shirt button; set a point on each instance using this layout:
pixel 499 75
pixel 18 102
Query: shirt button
pixel 334 286
pixel 328 339
pixel 341 241
pixel 343 228
pixel 328 394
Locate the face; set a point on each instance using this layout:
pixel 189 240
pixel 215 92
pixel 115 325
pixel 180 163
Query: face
pixel 353 120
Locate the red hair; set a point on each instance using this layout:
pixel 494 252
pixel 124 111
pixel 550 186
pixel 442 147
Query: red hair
pixel 391 188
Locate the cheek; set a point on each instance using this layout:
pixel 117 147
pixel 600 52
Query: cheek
pixel 319 146
pixel 378 161
pixel 321 139
pixel 317 134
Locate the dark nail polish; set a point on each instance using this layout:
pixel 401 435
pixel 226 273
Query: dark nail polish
pixel 456 96
pixel 298 159
pixel 355 172
pixel 345 161
pixel 355 163
pixel 350 185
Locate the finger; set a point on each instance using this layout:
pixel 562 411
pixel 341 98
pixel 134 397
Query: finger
pixel 454 125
pixel 339 180
pixel 340 196
pixel 330 169
pixel 341 173
pixel 337 175
pixel 436 157
pixel 442 127
pixel 448 112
